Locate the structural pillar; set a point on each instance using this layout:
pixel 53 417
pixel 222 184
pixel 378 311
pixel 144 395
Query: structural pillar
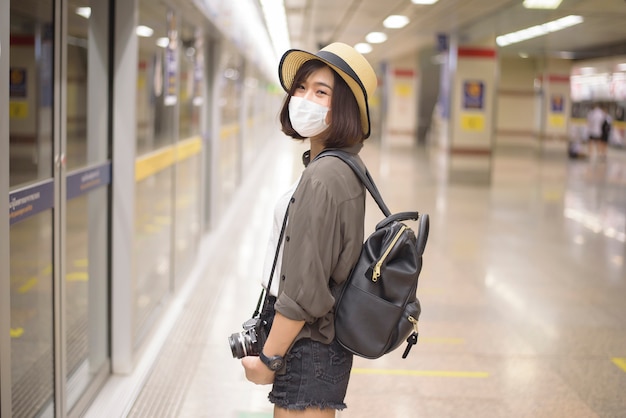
pixel 472 73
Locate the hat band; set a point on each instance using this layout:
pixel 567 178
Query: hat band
pixel 343 66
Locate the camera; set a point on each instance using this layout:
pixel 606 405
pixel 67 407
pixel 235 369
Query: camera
pixel 251 340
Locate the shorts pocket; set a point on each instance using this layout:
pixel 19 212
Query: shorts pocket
pixel 332 363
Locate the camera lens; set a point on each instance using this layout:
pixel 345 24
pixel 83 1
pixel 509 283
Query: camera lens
pixel 244 344
pixel 237 345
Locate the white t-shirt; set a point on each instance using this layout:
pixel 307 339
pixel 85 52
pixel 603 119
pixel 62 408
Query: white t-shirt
pixel 279 216
pixel 594 122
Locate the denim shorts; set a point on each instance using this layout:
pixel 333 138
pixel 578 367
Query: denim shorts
pixel 315 375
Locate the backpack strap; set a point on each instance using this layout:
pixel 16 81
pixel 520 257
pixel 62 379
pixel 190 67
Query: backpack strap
pixel 363 175
pixel 369 184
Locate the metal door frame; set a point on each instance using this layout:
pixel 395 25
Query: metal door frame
pixel 58 178
pixel 5 298
pixel 59 220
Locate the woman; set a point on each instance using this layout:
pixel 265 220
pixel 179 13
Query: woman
pixel 326 101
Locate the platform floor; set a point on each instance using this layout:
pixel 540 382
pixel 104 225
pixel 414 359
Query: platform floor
pixel 523 293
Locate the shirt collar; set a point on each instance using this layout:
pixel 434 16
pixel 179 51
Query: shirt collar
pixel 353 149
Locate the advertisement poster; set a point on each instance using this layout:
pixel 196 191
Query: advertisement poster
pixel 17 87
pixel 556 103
pixel 473 94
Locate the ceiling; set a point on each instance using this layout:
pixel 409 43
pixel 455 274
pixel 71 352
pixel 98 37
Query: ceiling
pixel 315 23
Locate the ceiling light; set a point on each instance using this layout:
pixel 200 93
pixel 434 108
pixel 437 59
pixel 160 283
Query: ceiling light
pixel 395 22
pixel 424 1
pixel 363 48
pixel 276 21
pixel 163 42
pixel 84 12
pixel 541 4
pixel 539 30
pixel 144 31
pixel 376 37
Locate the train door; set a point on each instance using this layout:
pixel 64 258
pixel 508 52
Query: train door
pixel 59 169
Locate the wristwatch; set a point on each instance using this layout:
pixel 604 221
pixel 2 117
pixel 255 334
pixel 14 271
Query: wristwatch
pixel 273 363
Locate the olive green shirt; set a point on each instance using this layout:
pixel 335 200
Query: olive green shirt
pixel 322 243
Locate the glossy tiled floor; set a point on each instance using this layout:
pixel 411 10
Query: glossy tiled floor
pixel 523 293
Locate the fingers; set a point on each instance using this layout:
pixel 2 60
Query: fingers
pixel 256 372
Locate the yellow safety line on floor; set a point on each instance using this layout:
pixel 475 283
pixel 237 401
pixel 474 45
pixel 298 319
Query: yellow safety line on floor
pixel 78 276
pixel 17 332
pixel 151 228
pixel 30 283
pixel 83 262
pixel 427 373
pixel 155 161
pixel 620 362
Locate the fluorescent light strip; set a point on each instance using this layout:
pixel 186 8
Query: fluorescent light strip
pixel 163 42
pixel 539 30
pixel 424 1
pixel 276 21
pixel 84 12
pixel 144 31
pixel 542 4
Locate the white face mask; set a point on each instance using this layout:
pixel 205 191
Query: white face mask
pixel 307 118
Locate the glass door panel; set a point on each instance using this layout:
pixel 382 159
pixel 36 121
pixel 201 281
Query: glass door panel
pixel 31 199
pixel 89 173
pixel 189 148
pixel 67 236
pixel 155 164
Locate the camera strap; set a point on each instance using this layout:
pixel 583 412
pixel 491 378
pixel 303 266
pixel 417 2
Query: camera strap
pixel 264 291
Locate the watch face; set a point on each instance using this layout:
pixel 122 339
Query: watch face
pixel 276 363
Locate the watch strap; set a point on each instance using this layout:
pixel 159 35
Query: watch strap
pixel 273 363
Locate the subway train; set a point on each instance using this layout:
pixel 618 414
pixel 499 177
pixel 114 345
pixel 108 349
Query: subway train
pixel 141 154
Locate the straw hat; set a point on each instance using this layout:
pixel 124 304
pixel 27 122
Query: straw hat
pixel 349 64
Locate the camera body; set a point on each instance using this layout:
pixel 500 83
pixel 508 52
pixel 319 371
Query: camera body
pixel 251 340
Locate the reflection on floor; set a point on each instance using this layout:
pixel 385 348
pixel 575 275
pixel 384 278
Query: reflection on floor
pixel 522 294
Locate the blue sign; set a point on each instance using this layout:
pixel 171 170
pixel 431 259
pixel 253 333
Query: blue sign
pixel 442 42
pixel 87 179
pixel 556 103
pixel 17 86
pixel 473 94
pixel 30 201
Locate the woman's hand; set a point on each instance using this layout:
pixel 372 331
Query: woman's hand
pixel 282 335
pixel 257 372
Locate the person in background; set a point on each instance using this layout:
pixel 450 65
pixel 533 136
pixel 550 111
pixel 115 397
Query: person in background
pixel 596 130
pixel 326 103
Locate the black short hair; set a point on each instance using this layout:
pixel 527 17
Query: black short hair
pixel 345 127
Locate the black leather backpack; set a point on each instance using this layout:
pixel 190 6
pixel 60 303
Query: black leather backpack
pixel 378 309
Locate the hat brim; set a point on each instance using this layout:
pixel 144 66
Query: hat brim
pixel 293 59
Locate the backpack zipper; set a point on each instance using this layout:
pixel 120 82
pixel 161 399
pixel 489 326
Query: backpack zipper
pixel 414 322
pixel 379 264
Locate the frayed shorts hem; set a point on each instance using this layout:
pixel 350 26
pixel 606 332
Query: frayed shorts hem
pixel 280 403
pixel 315 376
